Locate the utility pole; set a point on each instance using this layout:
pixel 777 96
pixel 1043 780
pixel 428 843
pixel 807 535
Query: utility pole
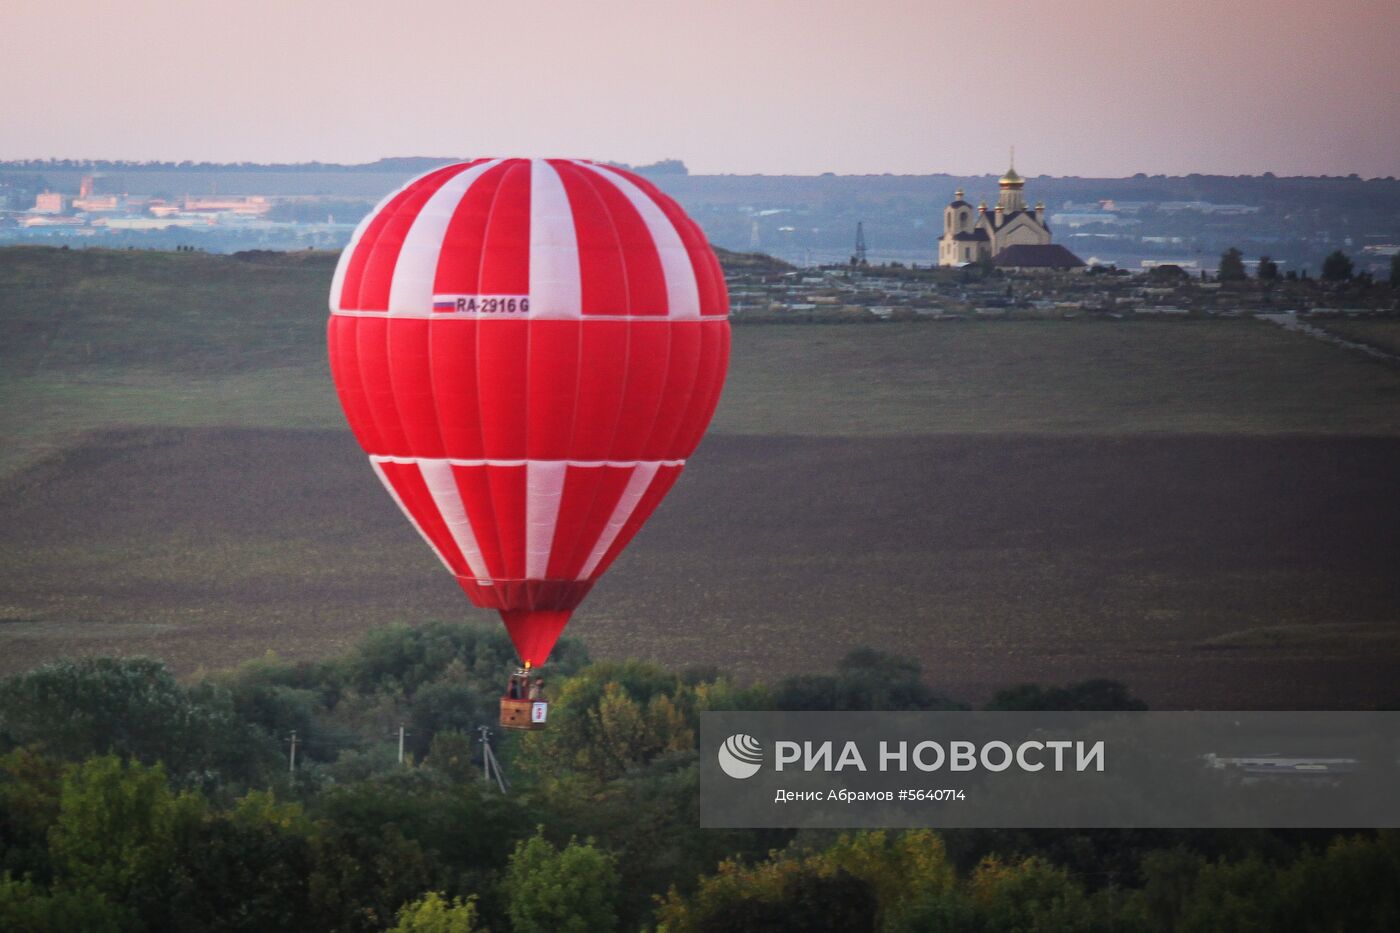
pixel 292 758
pixel 401 735
pixel 490 767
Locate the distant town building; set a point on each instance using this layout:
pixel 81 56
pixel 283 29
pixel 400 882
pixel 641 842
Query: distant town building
pixel 1074 219
pixel 90 201
pixel 1149 264
pixel 255 205
pixel 983 234
pixel 51 220
pixel 48 202
pixel 152 223
pixel 96 202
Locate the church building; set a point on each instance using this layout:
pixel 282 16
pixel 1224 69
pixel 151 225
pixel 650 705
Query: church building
pixel 977 234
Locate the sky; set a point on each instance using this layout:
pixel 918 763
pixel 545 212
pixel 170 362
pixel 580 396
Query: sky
pixel 1079 87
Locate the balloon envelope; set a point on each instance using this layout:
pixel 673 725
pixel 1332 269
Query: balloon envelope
pixel 528 350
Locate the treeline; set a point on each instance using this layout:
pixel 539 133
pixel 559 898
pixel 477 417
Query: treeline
pixel 131 801
pixel 1338 269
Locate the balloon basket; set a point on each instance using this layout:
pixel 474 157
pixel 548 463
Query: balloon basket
pixel 523 714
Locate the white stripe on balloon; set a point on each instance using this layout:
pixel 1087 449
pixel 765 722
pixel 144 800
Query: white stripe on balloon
pixel 682 291
pixel 415 272
pixel 442 485
pixel 556 289
pixel 544 489
pixel 641 479
pixel 394 494
pixel 338 279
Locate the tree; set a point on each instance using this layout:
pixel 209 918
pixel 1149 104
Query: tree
pixel 361 877
pixel 1030 895
pixel 243 871
pixel 451 755
pixel 1168 273
pixel 444 707
pixel 1336 267
pixel 29 790
pixel 1395 271
pixel 569 890
pixel 1168 878
pixel 434 913
pixel 25 907
pixel 783 894
pixel 610 719
pixel 132 707
pixel 864 881
pixel 1231 266
pixel 1268 269
pixel 404 658
pixel 865 680
pixel 1091 695
pixel 116 825
pixel 901 870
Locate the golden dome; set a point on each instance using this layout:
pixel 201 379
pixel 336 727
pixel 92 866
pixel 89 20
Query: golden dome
pixel 1011 179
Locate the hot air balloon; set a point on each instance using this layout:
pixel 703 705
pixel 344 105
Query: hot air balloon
pixel 528 350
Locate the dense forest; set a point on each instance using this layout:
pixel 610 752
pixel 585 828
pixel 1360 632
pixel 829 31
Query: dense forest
pixel 130 800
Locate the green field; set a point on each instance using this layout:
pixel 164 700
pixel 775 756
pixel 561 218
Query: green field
pixel 1203 509
pixel 1384 334
pixel 95 339
pixel 1051 377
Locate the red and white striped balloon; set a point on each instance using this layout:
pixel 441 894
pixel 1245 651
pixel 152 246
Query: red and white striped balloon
pixel 528 350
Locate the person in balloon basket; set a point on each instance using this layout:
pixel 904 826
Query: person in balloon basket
pixel 537 689
pixel 517 688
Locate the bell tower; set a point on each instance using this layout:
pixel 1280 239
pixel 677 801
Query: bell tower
pixel 957 216
pixel 958 220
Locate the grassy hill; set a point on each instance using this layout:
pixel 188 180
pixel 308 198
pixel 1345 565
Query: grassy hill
pixel 1202 509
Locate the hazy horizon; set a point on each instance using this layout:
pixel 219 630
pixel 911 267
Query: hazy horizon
pixel 693 173
pixel 933 173
pixel 1087 88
